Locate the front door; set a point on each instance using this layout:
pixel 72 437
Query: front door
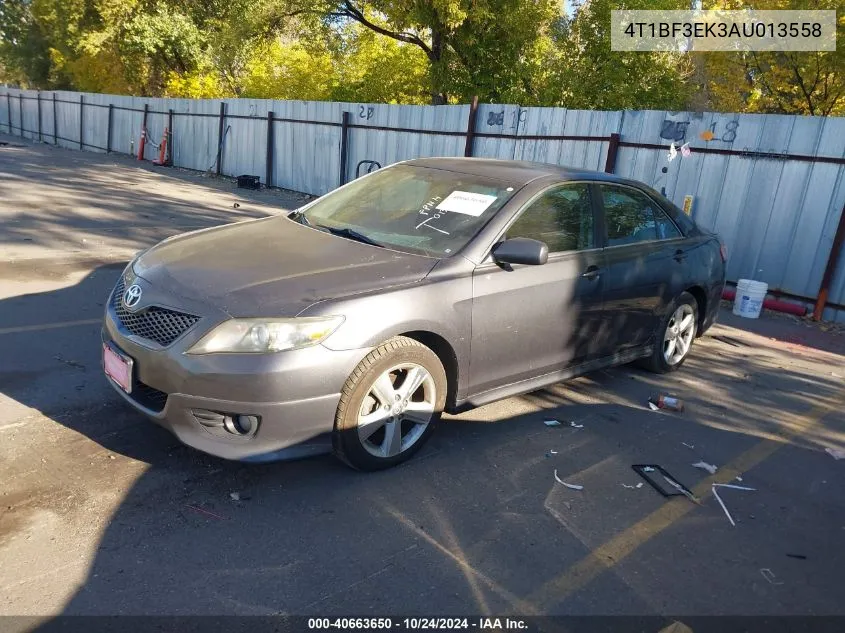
pixel 532 320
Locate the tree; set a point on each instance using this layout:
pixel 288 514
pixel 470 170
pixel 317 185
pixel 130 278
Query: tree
pixel 472 46
pixel 780 82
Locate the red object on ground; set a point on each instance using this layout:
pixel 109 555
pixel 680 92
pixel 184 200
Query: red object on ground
pixel 141 144
pixel 162 149
pixel 771 304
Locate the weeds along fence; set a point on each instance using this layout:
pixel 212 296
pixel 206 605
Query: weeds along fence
pixel 773 186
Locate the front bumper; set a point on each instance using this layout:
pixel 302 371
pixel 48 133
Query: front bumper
pixel 295 394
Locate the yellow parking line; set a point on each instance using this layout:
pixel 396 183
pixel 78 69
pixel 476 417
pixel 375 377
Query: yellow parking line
pixel 48 326
pixel 620 547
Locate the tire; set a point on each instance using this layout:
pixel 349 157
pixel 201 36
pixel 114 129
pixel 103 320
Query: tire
pixel 374 401
pixel 684 305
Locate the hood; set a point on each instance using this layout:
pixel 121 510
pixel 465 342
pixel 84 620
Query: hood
pixel 273 267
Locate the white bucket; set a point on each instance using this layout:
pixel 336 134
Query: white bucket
pixel 748 301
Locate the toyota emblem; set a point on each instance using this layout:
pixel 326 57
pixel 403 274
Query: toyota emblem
pixel 132 296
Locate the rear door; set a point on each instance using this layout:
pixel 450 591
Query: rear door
pixel 646 264
pixel 531 320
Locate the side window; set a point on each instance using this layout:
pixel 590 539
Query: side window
pixel 628 216
pixel 666 229
pixel 561 217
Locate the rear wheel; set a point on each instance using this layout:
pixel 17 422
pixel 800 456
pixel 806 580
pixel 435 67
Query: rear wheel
pixel 675 335
pixel 389 405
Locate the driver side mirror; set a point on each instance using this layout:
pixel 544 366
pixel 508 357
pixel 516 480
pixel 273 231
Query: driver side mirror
pixel 521 250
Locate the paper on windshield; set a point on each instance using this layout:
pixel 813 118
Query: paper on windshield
pixel 466 202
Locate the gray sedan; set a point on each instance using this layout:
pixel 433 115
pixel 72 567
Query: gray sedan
pixel 432 285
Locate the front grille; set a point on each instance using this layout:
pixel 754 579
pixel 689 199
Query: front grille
pixel 148 397
pixel 154 323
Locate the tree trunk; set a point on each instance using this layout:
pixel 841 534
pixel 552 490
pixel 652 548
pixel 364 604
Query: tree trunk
pixel 438 96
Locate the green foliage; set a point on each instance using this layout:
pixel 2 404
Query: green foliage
pixel 399 51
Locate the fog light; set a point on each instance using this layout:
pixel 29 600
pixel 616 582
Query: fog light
pixel 241 424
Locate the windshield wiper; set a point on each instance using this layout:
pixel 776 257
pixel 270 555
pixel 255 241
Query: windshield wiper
pixel 351 234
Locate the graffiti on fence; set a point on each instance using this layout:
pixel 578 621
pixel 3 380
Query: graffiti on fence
pixel 496 118
pixel 366 112
pixel 674 130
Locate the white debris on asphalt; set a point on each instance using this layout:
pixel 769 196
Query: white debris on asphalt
pixel 235 496
pixel 722 503
pixel 769 575
pixel 576 426
pixel 690 446
pixel 572 486
pixel 652 406
pixel 710 468
pixel 835 453
pixel 552 422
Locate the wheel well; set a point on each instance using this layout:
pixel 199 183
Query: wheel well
pixel 701 299
pixel 447 356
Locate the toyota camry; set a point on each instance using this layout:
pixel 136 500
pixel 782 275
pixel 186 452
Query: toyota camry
pixel 431 286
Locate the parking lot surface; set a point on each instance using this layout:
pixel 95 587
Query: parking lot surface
pixel 101 512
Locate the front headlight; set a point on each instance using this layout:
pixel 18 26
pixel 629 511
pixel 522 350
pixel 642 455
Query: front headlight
pixel 261 336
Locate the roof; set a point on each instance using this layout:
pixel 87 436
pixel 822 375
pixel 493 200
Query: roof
pixel 515 171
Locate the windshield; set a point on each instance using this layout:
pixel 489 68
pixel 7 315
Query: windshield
pixel 416 209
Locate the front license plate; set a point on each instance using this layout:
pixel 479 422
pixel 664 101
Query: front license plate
pixel 118 367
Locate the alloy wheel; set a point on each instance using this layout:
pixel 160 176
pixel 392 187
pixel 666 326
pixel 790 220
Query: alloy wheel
pixel 679 334
pixel 397 409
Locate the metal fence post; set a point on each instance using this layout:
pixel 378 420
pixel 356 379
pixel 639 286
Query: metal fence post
pixel 81 105
pixel 39 116
pixel 220 133
pixel 830 268
pixel 473 114
pixel 108 129
pixel 55 122
pixel 142 144
pixel 344 143
pixel 612 150
pixel 268 163
pixel 9 110
pixel 168 159
pixel 20 111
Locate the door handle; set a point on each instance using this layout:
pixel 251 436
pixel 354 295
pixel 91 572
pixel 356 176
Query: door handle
pixel 680 255
pixel 591 273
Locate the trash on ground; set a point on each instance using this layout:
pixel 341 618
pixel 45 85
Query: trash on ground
pixel 550 454
pixel 798 556
pixel 653 406
pixel 835 453
pixel 639 485
pixel 551 422
pixel 676 627
pixel 211 514
pixel 770 576
pixel 738 478
pixel 710 468
pixel 677 488
pixel 235 496
pixel 690 446
pixel 572 486
pixel 575 425
pixel 663 401
pixel 682 489
pixel 722 503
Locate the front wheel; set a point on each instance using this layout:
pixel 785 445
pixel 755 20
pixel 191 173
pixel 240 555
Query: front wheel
pixel 675 336
pixel 389 405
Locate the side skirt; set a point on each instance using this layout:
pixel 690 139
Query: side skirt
pixel 538 382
